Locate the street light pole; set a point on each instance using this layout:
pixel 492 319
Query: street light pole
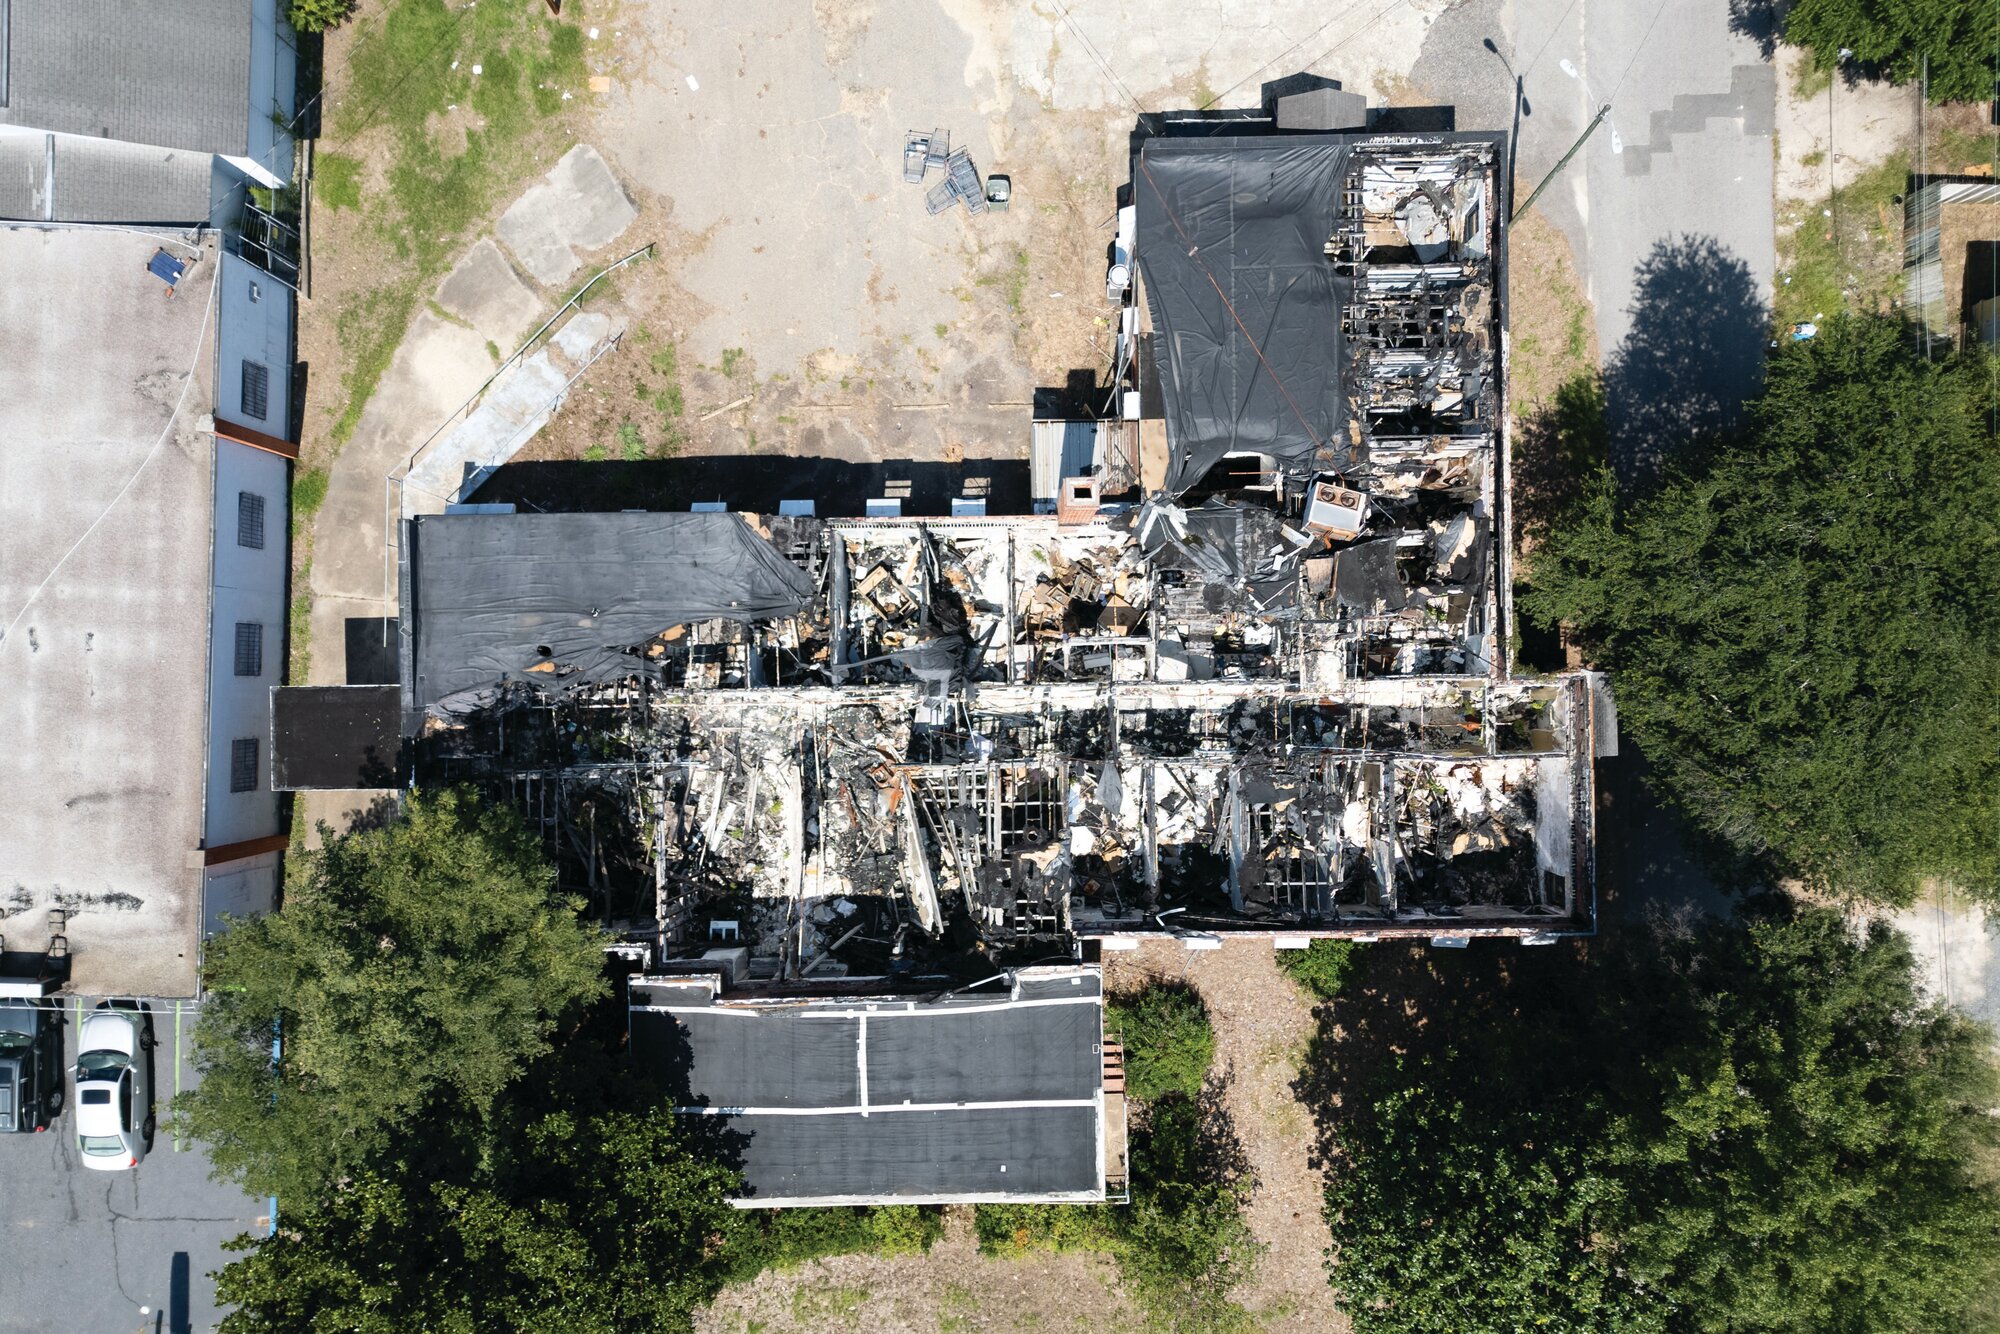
pixel 1562 162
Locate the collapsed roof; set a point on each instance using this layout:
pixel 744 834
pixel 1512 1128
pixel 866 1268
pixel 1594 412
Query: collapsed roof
pixel 1310 294
pixel 564 600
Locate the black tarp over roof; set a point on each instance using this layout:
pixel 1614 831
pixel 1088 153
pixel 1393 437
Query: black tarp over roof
pixel 1245 303
pixel 985 1095
pixel 487 597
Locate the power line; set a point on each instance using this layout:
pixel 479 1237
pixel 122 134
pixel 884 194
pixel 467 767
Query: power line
pixel 1637 51
pixel 1293 47
pixel 1091 50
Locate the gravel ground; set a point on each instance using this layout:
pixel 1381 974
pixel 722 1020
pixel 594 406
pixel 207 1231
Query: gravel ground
pixel 952 1290
pixel 1262 1023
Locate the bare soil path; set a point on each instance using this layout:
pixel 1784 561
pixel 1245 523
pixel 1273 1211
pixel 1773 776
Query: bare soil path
pixel 1262 1024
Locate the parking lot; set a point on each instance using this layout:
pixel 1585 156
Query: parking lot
pixel 117 1251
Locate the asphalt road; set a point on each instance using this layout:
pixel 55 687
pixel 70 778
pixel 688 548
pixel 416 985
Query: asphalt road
pixel 114 1252
pixel 1668 204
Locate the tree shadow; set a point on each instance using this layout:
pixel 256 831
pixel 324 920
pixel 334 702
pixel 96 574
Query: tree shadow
pixel 1761 21
pixel 1554 455
pixel 1409 1002
pixel 1695 352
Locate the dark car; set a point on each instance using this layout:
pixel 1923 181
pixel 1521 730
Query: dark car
pixel 31 1066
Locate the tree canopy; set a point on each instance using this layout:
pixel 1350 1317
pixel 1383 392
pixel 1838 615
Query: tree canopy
pixel 1892 37
pixel 412 972
pixel 598 1224
pixel 1799 620
pixel 1737 1127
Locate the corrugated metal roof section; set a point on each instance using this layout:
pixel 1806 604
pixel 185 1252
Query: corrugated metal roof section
pixel 23 169
pixel 983 1096
pixel 171 73
pixel 1060 449
pixel 96 181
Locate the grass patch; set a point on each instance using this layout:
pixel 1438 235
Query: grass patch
pixel 308 494
pixel 631 444
pixel 1810 79
pixel 1012 280
pixel 786 1238
pixel 371 325
pixel 1322 968
pixel 337 180
pixel 731 358
pixel 1852 260
pixel 298 626
pixel 1169 1041
pixel 817 1308
pixel 441 187
pixel 595 453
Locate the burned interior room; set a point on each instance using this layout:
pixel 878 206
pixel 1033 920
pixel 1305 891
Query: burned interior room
pixel 1246 678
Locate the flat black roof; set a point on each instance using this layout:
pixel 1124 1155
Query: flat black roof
pixel 336 738
pixel 983 1096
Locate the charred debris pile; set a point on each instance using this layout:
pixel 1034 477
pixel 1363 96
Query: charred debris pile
pixel 1262 691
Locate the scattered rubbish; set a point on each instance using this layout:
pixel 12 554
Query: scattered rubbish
pixel 924 151
pixel 1804 331
pixel 693 84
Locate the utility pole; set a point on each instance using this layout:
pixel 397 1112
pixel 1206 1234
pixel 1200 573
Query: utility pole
pixel 1596 121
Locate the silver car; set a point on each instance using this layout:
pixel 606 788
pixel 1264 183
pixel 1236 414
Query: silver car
pixel 114 1090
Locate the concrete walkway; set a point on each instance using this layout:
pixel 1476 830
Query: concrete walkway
pixel 442 362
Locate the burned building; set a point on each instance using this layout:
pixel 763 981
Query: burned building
pixel 1265 693
pixel 1246 675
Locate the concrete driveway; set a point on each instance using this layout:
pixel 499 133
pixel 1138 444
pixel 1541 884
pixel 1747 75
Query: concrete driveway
pixel 117 1251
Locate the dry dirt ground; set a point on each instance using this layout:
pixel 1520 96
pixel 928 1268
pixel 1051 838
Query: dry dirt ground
pixel 803 302
pixel 1553 332
pixel 951 1290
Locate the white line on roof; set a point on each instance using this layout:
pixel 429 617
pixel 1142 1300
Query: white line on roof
pixel 866 1108
pixel 861 1059
pixel 913 1009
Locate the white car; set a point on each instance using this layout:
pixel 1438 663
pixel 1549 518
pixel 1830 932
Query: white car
pixel 113 1101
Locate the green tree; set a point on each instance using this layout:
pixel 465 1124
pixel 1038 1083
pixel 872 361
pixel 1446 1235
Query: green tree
pixel 610 1223
pixel 1894 36
pixel 1800 622
pixel 1754 1126
pixel 412 972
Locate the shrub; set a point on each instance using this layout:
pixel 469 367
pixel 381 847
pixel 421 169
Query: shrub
pixel 1323 967
pixel 1168 1040
pixel 319 15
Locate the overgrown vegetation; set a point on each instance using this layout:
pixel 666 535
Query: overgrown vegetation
pixel 1169 1042
pixel 1181 1242
pixel 1800 617
pixel 1745 1126
pixel 1846 253
pixel 1893 38
pixel 412 972
pixel 459 143
pixel 786 1238
pixel 1323 968
pixel 457 1141
pixel 318 15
